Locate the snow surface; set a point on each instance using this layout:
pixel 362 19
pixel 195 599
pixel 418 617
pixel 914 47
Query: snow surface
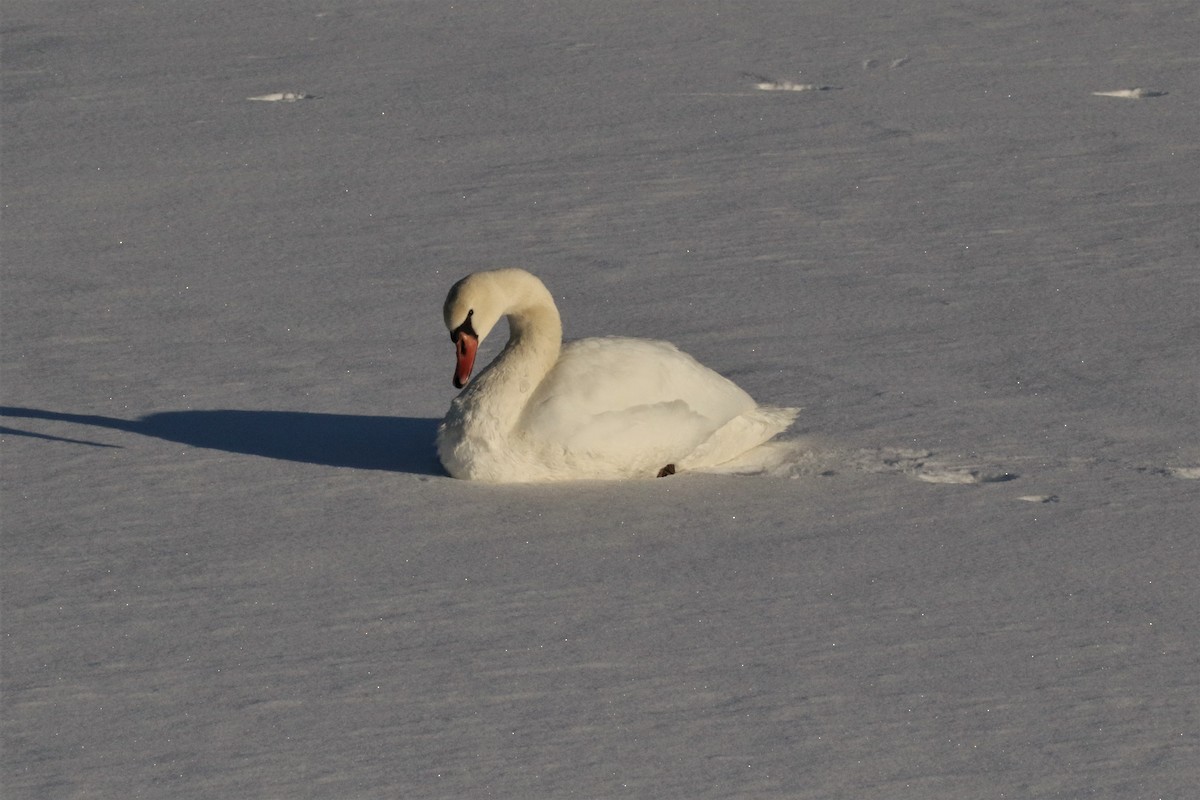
pixel 232 567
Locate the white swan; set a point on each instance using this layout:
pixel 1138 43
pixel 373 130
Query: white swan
pixel 596 408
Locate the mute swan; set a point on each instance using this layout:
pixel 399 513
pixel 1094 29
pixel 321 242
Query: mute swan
pixel 596 408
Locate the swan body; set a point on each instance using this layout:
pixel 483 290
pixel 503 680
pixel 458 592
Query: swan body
pixel 594 408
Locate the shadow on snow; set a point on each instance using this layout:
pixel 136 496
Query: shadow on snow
pixel 398 444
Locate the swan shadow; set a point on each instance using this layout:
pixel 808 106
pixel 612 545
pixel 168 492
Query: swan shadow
pixel 395 444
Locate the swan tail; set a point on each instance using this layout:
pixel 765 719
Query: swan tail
pixel 740 434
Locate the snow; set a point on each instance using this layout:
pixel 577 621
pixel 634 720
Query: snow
pixel 232 567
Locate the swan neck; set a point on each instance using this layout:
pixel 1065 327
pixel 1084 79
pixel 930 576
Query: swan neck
pixel 502 390
pixel 534 342
pixel 537 328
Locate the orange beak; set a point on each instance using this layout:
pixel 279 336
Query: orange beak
pixel 466 344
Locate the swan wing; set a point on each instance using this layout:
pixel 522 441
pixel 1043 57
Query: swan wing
pixel 631 400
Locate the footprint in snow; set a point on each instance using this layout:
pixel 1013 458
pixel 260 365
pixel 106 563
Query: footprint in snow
pixel 1130 94
pixel 895 63
pixel 917 464
pixel 1189 473
pixel 794 459
pixel 763 83
pixel 282 97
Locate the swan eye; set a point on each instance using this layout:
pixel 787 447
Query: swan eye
pixel 466 327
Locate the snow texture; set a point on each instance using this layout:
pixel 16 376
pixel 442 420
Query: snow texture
pixel 232 566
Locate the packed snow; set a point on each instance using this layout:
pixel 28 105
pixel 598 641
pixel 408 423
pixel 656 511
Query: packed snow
pixel 233 567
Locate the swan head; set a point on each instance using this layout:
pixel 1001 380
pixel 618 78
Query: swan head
pixel 473 307
pixel 477 302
